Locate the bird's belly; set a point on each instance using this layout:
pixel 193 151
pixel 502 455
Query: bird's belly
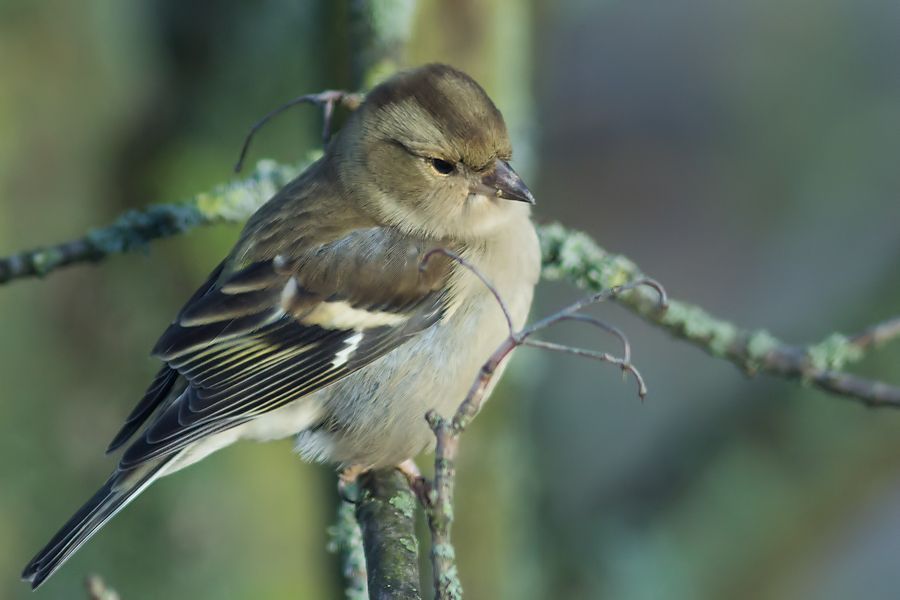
pixel 376 417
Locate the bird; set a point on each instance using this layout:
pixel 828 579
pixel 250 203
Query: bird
pixel 325 321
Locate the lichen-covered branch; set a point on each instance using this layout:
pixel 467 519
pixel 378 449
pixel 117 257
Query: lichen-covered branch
pixel 386 515
pixel 575 257
pixel 437 495
pixel 567 255
pixel 230 202
pixel 345 540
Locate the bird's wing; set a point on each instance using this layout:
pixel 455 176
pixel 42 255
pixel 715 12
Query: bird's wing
pixel 276 330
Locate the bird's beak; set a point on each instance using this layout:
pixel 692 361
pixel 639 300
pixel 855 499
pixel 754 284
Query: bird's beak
pixel 503 182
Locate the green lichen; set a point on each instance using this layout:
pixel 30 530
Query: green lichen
pixel 345 539
pixel 444 551
pixel 760 344
pixel 833 353
pixel 410 545
pixel 228 202
pixel 45 261
pixel 404 503
pixel 451 585
pixel 695 324
pixel 575 256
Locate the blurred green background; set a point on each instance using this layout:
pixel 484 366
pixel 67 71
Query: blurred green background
pixel 745 153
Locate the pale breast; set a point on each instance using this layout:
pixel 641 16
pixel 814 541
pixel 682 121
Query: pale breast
pixel 376 417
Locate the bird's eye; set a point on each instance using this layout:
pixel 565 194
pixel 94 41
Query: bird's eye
pixel 442 166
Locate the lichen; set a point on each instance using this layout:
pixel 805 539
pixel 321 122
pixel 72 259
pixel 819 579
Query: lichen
pixel 833 353
pixel 410 545
pixel 760 344
pixel 694 323
pixel 45 261
pixel 575 256
pixel 451 585
pixel 404 503
pixel 345 539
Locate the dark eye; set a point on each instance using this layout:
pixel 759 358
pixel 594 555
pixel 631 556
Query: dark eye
pixel 442 166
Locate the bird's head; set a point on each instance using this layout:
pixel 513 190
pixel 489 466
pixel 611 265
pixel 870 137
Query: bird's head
pixel 429 152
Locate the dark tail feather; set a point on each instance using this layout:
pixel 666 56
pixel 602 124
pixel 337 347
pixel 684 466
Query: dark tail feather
pixel 118 491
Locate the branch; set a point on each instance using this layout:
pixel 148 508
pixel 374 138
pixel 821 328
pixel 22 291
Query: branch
pixel 326 100
pixel 230 202
pixel 576 258
pixel 386 516
pixel 437 496
pixel 345 540
pixel 567 255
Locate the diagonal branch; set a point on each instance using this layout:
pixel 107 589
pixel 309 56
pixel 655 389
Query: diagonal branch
pixel 576 258
pixel 230 202
pixel 567 255
pixel 326 100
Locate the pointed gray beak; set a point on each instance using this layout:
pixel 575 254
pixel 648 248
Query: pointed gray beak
pixel 504 183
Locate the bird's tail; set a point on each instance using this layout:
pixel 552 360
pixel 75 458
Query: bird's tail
pixel 117 492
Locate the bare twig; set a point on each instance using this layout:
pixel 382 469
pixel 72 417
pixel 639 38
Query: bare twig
pixel 326 100
pixel 626 346
pixel 466 264
pixel 877 334
pixel 437 495
pixel 622 363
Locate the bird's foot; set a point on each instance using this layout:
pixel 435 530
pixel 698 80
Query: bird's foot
pixel 347 479
pixel 417 483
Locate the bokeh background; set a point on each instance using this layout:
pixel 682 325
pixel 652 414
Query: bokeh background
pixel 745 153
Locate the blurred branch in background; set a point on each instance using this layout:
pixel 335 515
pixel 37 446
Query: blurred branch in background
pixel 567 255
pixel 98 590
pixel 346 542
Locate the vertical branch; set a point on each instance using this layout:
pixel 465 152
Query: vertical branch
pixel 386 514
pixel 379 33
pixel 439 511
pixel 346 542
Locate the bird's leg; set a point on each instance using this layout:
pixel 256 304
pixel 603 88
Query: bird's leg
pixel 417 483
pixel 346 479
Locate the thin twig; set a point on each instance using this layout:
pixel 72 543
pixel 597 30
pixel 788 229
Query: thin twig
pixel 877 334
pixel 326 100
pixel 467 265
pixel 623 364
pixel 437 496
pixel 626 346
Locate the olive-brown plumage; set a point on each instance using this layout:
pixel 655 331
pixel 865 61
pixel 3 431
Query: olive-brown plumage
pixel 322 322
